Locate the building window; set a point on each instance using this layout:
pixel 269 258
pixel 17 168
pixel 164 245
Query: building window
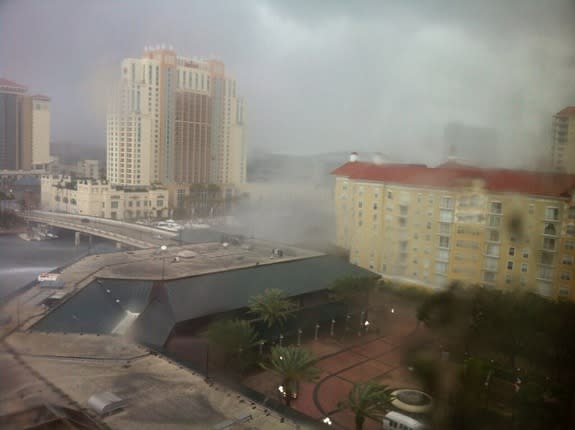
pixel 389 195
pixel 490 264
pixel 446 215
pixel 571 229
pixel 567 260
pixel 571 213
pixel 375 206
pixel 565 276
pixel 443 254
pixel 512 251
pixel 531 209
pixel 525 253
pixel 444 228
pixel 441 267
pixel 493 236
pixel 552 214
pixel 524 267
pixel 510 265
pixel 492 250
pixel 495 207
pixel 360 205
pixel 564 291
pixel 549 244
pixel 443 242
pixel 489 276
pixel 569 245
pixel 428 226
pixel 493 221
pixel 545 273
pixel 114 204
pixel 550 229
pixel 447 203
pixel 546 258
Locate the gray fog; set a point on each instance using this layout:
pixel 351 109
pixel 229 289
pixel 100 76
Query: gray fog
pixel 318 76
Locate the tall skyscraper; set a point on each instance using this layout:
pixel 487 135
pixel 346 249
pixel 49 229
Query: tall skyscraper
pixel 563 141
pixel 24 127
pixel 175 119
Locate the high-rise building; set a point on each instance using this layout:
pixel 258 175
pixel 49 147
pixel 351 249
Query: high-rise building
pixel 563 141
pixel 430 226
pixel 175 119
pixel 24 127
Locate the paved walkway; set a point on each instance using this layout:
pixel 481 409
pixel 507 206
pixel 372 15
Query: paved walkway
pixel 364 358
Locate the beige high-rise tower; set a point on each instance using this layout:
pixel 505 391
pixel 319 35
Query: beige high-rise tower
pixel 24 127
pixel 563 145
pixel 175 120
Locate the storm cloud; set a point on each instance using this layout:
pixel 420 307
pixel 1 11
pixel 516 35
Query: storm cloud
pixel 318 76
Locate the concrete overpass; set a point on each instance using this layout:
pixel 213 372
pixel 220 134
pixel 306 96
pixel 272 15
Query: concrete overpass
pixel 134 235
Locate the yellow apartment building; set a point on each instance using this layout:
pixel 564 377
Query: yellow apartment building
pixel 430 226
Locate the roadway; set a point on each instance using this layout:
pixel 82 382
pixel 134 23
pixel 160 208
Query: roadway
pixel 136 235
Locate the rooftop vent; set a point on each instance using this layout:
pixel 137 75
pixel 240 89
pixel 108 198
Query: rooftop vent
pixel 353 157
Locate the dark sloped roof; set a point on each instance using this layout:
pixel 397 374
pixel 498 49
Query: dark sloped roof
pixel 224 291
pixel 94 309
pixel 155 324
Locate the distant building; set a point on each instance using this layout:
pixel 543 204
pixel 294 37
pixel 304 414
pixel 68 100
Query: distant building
pixel 430 226
pixel 470 144
pixel 88 169
pixel 101 199
pixel 24 128
pixel 176 120
pixel 563 141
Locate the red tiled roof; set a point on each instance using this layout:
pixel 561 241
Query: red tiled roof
pixel 569 110
pixel 7 83
pixel 451 174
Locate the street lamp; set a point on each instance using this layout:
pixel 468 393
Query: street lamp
pixel 316 331
pixel 327 421
pixel 331 330
pixel 299 332
pixel 366 324
pixel 281 341
pixel 163 249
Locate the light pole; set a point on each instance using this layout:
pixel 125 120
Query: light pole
pixel 163 249
pixel 360 323
pixel 316 331
pixel 366 324
pixel 331 329
pixel 299 332
pixel 281 339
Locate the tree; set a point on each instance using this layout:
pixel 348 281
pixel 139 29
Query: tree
pixel 294 365
pixel 235 339
pixel 367 400
pixel 354 291
pixel 273 306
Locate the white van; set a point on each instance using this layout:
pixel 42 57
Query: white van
pixel 396 421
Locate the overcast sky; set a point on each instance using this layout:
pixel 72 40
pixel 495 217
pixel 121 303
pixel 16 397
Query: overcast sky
pixel 318 76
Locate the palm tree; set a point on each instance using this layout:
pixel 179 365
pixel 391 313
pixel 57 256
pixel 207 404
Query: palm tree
pixel 273 306
pixel 294 365
pixel 367 399
pixel 234 338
